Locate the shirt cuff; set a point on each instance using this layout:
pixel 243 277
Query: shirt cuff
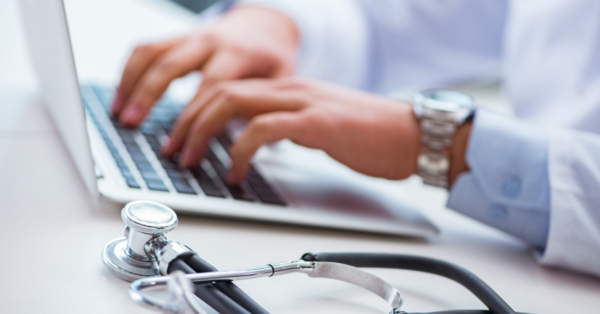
pixel 508 184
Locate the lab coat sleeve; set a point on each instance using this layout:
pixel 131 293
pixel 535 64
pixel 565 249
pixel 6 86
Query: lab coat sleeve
pixel 574 239
pixel 530 182
pixel 381 46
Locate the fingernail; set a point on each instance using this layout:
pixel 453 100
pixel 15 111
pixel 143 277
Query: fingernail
pixel 131 115
pixel 118 104
pixel 166 148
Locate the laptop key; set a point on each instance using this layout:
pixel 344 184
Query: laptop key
pixel 239 193
pixel 269 197
pixel 132 183
pixel 212 191
pixel 110 145
pixel 148 128
pixel 174 174
pixel 168 164
pixel 148 174
pixel 166 125
pixel 143 165
pixel 106 138
pixel 157 151
pixel 102 97
pixel 114 152
pixel 138 157
pixel 224 140
pixel 156 185
pixel 217 165
pixel 120 162
pixel 152 140
pixel 182 186
pixel 200 174
pixel 262 189
pixel 206 183
pixel 122 131
pixel 155 146
pixel 126 172
pixel 256 180
pixel 133 148
pixel 128 139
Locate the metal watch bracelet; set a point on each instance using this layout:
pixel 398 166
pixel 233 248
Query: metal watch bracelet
pixel 440 112
pixel 436 141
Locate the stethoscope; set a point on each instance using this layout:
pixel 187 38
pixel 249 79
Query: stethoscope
pixel 147 258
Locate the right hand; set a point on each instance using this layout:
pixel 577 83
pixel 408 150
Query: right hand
pixel 246 42
pixel 373 135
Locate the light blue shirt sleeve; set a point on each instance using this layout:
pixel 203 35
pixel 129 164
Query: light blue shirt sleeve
pixel 508 183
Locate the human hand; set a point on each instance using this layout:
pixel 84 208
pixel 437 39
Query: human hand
pixel 247 42
pixel 373 135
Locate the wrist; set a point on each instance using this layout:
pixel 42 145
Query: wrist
pixel 458 162
pixel 445 123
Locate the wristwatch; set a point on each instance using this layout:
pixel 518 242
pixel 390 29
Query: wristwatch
pixel 440 112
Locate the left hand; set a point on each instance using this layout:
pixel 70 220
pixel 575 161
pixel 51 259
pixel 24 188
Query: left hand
pixel 373 135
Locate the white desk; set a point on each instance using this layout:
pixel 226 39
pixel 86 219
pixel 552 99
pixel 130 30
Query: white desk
pixel 52 237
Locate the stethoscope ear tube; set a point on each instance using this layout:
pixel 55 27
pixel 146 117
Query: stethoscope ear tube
pixel 223 296
pixel 456 273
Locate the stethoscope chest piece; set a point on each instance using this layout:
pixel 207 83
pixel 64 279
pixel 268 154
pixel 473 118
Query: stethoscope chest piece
pixel 127 257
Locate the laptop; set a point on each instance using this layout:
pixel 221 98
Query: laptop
pixel 287 183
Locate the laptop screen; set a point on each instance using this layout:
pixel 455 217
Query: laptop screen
pixel 50 49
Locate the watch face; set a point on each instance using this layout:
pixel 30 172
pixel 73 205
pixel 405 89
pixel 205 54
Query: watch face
pixel 444 100
pixel 457 105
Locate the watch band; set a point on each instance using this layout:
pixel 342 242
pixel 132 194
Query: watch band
pixel 437 133
pixel 440 112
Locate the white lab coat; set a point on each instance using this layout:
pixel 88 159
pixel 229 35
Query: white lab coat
pixel 548 52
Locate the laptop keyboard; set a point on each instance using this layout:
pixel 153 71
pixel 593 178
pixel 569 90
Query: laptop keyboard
pixel 207 178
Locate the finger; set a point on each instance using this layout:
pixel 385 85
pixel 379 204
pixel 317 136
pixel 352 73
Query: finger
pixel 139 61
pixel 194 109
pixel 185 121
pixel 155 81
pixel 224 66
pixel 267 128
pixel 245 100
pixel 227 65
pixel 284 69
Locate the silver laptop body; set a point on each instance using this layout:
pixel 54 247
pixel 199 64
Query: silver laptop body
pixel 288 183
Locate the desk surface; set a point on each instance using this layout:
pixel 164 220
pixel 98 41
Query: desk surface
pixel 53 237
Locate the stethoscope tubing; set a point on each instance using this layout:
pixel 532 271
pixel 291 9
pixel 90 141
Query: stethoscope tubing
pixel 226 297
pixel 223 296
pixel 456 273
